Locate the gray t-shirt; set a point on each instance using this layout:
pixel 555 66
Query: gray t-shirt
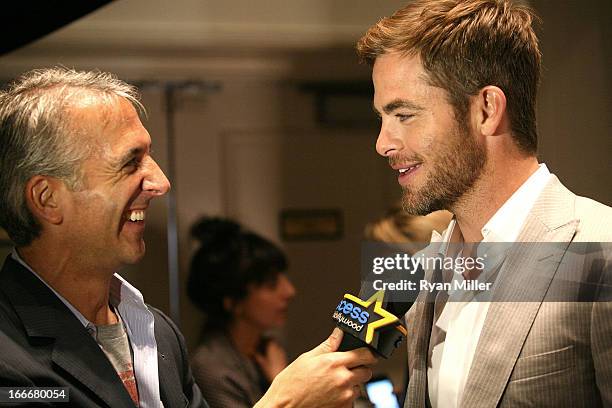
pixel 114 342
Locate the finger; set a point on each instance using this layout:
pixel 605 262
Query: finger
pixel 361 375
pixel 275 347
pixel 356 392
pixel 355 358
pixel 331 344
pixel 348 397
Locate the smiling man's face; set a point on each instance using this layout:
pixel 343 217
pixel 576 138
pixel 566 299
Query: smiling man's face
pixel 436 158
pixel 106 218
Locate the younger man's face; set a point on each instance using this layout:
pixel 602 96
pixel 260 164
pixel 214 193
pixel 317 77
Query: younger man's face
pixel 436 157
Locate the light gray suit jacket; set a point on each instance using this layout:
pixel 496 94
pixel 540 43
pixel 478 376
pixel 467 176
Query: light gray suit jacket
pixel 538 353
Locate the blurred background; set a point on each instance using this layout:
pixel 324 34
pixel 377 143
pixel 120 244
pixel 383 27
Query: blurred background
pixel 259 111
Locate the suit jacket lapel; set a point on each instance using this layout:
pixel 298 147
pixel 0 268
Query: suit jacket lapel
pixel 416 395
pixel 170 390
pixel 74 350
pixel 525 275
pixel 78 353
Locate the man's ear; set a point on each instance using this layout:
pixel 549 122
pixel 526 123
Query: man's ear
pixel 490 111
pixel 43 198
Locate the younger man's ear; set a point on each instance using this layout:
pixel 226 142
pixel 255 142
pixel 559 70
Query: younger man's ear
pixel 42 198
pixel 490 111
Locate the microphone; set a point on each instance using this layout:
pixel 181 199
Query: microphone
pixel 371 321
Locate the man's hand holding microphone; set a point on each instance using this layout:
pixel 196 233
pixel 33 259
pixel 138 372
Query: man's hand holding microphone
pixel 368 327
pixel 322 377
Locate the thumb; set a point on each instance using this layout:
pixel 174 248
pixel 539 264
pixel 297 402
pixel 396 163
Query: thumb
pixel 331 344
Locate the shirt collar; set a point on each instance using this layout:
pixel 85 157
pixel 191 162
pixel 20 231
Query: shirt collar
pixel 120 291
pixel 506 223
pixel 444 238
pixel 86 323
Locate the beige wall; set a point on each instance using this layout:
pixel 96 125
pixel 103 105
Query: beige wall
pixel 575 104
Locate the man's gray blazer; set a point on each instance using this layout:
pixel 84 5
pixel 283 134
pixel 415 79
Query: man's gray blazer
pixel 537 353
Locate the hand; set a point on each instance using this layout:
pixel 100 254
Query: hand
pixel 321 378
pixel 273 361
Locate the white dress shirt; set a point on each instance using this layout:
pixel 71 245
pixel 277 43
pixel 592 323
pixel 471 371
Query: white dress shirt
pixel 139 325
pixel 463 321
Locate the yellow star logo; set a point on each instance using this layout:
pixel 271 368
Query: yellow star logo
pixel 387 318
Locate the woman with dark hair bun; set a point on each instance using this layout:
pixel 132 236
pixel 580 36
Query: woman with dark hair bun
pixel 237 278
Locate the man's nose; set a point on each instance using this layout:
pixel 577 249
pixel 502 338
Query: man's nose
pixel 155 181
pixel 387 143
pixel 287 287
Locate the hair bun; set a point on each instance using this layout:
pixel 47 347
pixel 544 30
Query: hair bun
pixel 215 232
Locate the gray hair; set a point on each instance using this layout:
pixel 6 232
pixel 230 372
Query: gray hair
pixel 37 136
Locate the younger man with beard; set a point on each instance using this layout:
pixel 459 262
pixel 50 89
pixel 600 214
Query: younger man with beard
pixel 455 86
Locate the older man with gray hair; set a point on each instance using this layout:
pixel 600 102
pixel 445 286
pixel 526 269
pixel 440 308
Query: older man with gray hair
pixel 76 179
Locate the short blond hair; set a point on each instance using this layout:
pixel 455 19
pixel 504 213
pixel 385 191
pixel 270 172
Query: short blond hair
pixel 465 45
pixel 400 227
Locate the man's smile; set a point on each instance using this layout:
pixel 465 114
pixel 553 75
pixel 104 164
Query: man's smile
pixel 405 171
pixel 136 215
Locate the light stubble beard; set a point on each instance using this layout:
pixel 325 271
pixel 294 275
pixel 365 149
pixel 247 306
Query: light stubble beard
pixel 453 170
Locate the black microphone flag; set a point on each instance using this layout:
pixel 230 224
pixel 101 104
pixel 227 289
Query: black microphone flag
pixel 369 323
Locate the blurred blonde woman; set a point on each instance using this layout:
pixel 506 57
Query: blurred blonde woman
pixel 399 227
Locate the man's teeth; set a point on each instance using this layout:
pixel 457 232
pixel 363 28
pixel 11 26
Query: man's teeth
pixel 402 171
pixel 137 216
